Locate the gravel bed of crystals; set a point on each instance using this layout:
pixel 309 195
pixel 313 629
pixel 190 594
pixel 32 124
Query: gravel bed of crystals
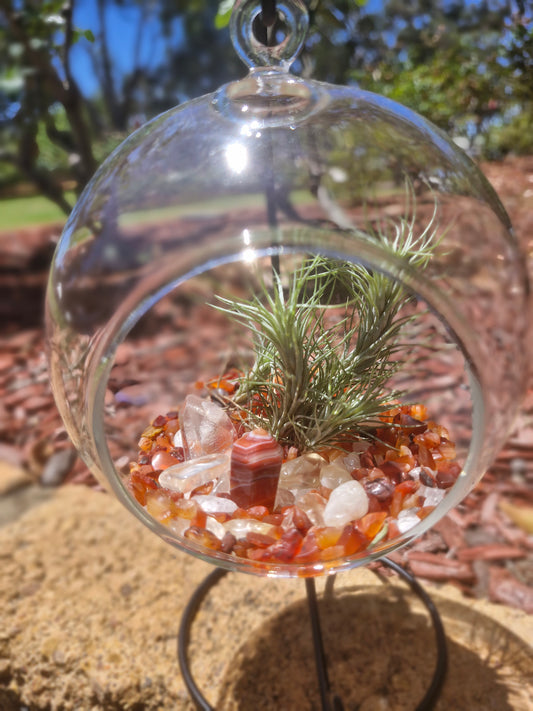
pixel 323 505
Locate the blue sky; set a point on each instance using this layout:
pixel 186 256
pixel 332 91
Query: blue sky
pixel 122 23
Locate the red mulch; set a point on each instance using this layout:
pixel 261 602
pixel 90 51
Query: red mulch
pixel 476 547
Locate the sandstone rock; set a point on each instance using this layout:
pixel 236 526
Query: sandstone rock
pixel 12 477
pixel 90 603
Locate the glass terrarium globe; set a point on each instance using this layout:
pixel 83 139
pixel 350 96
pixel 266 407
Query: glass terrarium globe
pixel 221 205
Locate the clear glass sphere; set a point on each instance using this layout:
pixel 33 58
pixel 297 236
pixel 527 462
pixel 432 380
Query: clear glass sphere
pixel 219 203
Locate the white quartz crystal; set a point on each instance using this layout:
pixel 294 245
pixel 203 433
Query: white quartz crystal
pixel 240 527
pixel 302 472
pixel 431 494
pixel 214 504
pixel 334 474
pixel 206 427
pixel 348 502
pixel 222 485
pixel 313 504
pixel 352 461
pixel 186 476
pixel 284 497
pixel 216 528
pixel 407 519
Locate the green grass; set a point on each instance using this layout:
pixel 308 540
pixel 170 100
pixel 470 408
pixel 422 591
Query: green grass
pixel 28 211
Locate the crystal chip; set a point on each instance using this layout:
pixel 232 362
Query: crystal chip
pixel 348 502
pixel 186 476
pixel 206 428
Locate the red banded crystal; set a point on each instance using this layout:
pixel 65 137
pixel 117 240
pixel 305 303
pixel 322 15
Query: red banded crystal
pixel 256 460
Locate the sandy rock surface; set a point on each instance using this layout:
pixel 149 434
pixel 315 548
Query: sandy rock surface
pixel 90 604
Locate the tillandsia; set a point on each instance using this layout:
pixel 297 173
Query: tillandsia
pixel 325 346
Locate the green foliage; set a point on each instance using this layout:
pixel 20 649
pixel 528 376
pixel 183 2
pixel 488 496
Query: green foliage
pixel 515 136
pixel 223 15
pixel 467 67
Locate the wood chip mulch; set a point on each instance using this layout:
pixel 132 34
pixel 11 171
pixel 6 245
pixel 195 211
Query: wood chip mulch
pixel 484 546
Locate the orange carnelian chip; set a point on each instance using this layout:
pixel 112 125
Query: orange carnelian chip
pixel 419 412
pixel 163 442
pixel 257 512
pixel 371 524
pixel 387 435
pixel 327 536
pixel 408 486
pixel 425 458
pixel 333 553
pixel 199 519
pixel 396 503
pixel 427 439
pixel 259 540
pixel 203 488
pixel 187 508
pixel 161 506
pixel 139 484
pixel 241 548
pixel 172 426
pixel 404 457
pixel 284 550
pixel 447 449
pixel 203 537
pixel 163 460
pixel 240 513
pixel 425 511
pixel 145 444
pixel 438 429
pixel 220 516
pixel 310 550
pixel 294 517
pixel 352 540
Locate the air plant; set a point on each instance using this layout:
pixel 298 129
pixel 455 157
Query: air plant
pixel 325 346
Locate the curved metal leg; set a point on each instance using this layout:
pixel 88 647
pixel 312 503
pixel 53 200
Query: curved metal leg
pixel 329 701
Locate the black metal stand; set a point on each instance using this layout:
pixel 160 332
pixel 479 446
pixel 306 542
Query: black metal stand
pixel 329 701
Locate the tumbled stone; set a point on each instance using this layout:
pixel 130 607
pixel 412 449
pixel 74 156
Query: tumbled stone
pixel 186 476
pixel 348 502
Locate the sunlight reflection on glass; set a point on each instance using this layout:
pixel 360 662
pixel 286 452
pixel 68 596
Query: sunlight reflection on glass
pixel 236 157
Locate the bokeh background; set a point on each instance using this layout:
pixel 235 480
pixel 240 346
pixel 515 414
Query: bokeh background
pixel 77 76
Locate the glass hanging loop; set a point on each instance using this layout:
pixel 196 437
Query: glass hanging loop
pixel 293 22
